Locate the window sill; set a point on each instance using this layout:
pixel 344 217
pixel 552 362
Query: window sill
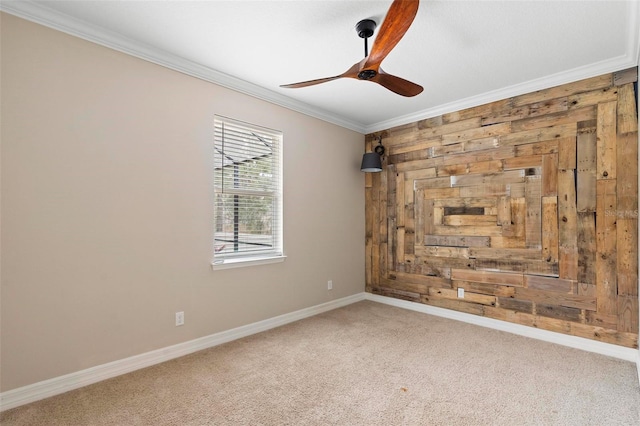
pixel 240 263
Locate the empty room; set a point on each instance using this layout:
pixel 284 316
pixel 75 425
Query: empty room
pixel 316 212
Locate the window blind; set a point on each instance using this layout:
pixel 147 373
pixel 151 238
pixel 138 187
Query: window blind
pixel 248 190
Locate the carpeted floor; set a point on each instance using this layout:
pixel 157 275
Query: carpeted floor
pixel 365 364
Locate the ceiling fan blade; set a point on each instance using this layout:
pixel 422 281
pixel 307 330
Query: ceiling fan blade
pixel 310 82
pixel 395 25
pixel 351 73
pixel 397 85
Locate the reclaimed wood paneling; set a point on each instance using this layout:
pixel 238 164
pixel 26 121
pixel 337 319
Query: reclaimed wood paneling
pixel 530 204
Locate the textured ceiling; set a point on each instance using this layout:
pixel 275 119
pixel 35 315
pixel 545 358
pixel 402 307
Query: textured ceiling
pixel 462 52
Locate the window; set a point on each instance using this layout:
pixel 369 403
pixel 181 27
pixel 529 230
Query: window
pixel 248 192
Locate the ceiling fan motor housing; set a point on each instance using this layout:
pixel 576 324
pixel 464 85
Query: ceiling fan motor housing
pixel 365 28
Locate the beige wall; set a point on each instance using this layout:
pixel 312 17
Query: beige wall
pixel 107 208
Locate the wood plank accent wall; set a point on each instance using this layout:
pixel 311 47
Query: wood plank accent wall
pixel 530 204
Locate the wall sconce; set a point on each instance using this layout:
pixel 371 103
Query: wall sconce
pixel 372 161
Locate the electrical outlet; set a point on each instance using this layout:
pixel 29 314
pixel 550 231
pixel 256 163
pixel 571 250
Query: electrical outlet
pixel 330 285
pixel 460 293
pixel 179 318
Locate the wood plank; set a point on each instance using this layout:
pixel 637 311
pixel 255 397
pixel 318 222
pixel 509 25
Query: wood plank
pixel 534 267
pixel 558 312
pixel 627 113
pixel 413 145
pixel 396 294
pixel 601 320
pixel 484 288
pixel 481 144
pixel 433 183
pixel 548 284
pixel 606 141
pixel 411 175
pixel 426 280
pixel 486 277
pixel 441 251
pixel 585 85
pixel 400 244
pixel 624 77
pixel 452 294
pixel 550 245
pixel 533 225
pixel 555 298
pixel 606 277
pixel 507 242
pixel 586 170
pixel 491 190
pixel 549 175
pixel 443 263
pixel 628 314
pixel 518 219
pixel 627 166
pixel 627 256
pixel 484 231
pixel 466 202
pixel 452 169
pixel 479 132
pixel 405 166
pixel 433 193
pixel 504 211
pixel 538 148
pixel 593 97
pixel 445 150
pixel 479 156
pixel 456 241
pixel 536 109
pixel 586 249
pixel 567 225
pixel 469 220
pixel 509 315
pixel 517 305
pixel 491 166
pixel 428 212
pixel 427 130
pixel 478 111
pixel 457 305
pixel 567 153
pixel 524 162
pixel 615 337
pixel 488 178
pixel 504 253
pixel 539 135
pixel 419 215
pixel 561 117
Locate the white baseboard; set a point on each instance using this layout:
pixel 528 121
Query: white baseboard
pixel 57 385
pixel 620 352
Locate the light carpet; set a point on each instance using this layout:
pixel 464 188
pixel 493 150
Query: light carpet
pixel 364 364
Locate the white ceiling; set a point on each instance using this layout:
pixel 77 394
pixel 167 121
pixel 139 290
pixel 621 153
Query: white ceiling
pixel 464 53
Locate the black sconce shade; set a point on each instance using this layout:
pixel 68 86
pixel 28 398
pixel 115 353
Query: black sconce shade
pixel 371 162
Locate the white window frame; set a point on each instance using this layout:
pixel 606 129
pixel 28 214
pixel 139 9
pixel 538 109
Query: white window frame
pixel 225 157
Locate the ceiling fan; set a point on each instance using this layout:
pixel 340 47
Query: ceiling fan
pixel 395 25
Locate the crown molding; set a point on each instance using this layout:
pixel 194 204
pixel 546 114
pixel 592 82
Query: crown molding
pixel 48 17
pixel 630 59
pixel 43 15
pixel 592 70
